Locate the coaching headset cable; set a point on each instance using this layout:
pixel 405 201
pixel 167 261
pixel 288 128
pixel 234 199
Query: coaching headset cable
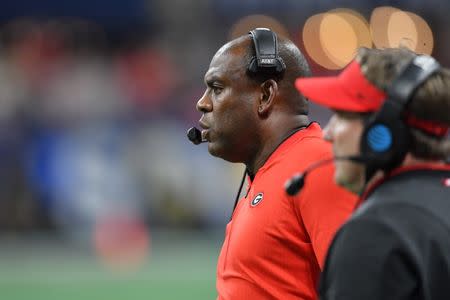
pixel 239 192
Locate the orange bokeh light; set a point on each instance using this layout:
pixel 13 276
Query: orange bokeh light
pixel 391 28
pixel 122 243
pixel 332 39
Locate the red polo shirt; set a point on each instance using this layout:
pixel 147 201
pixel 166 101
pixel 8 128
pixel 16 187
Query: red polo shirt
pixel 275 244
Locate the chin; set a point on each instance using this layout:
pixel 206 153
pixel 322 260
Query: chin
pixel 216 151
pixel 221 152
pixel 350 176
pixel 351 184
pixel 212 149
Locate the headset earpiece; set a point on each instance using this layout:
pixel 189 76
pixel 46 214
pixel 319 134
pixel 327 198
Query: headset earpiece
pixel 384 142
pixel 266 60
pixel 385 138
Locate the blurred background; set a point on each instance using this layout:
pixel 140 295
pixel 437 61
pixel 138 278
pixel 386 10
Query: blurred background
pixel 101 194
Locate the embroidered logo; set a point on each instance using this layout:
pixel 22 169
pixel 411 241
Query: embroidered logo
pixel 257 199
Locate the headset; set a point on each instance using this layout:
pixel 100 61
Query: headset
pixel 266 60
pixel 386 138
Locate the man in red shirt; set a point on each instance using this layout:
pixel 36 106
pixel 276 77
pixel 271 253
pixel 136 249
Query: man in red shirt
pixel 275 244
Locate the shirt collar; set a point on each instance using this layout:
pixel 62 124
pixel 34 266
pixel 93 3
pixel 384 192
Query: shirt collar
pixel 313 129
pixel 400 170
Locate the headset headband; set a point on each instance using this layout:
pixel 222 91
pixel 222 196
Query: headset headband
pixel 267 59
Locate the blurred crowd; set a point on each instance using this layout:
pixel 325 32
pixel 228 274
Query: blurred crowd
pixel 93 126
pixel 93 115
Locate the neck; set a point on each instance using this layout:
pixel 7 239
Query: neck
pixel 276 132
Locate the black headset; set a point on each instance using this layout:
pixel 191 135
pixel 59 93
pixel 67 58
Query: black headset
pixel 386 138
pixel 267 60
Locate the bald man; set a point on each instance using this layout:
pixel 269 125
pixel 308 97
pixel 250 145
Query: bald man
pixel 275 244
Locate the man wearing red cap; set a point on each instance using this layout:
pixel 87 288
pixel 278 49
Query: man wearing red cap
pixel 389 133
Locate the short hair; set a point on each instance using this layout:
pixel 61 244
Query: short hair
pixel 430 102
pixel 296 63
pixel 296 66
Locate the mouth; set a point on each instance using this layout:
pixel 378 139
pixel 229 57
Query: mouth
pixel 203 124
pixel 205 135
pixel 205 131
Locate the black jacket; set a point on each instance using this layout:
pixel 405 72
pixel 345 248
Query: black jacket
pixel 397 243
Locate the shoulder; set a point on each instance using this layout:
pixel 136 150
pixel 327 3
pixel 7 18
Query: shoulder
pixel 410 222
pixel 365 245
pixel 366 260
pixel 398 227
pixel 356 231
pixel 309 146
pixel 299 151
pixel 311 136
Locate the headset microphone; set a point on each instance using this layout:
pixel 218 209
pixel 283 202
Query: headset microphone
pixel 195 136
pixel 296 183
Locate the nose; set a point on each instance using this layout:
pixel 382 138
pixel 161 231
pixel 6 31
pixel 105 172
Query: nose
pixel 204 104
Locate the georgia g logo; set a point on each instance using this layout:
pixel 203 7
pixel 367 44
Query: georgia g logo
pixel 257 200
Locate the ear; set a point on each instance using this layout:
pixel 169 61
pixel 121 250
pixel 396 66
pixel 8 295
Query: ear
pixel 269 90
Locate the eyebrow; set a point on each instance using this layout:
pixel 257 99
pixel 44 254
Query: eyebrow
pixel 210 80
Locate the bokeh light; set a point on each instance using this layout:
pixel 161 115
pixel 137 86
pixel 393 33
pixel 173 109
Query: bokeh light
pixel 379 23
pixel 338 38
pixel 122 243
pixel 401 30
pixel 392 28
pixel 313 46
pixel 411 31
pixel 332 39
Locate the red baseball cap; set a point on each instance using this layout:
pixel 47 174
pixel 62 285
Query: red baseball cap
pixel 349 91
